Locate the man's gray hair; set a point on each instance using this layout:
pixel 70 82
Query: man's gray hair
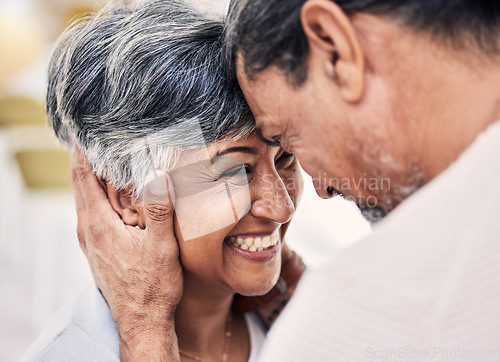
pixel 269 32
pixel 133 86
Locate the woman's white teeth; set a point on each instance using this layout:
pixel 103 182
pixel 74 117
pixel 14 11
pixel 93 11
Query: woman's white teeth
pixel 255 244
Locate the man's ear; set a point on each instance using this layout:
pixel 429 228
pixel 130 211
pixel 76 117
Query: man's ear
pixel 332 38
pixel 128 208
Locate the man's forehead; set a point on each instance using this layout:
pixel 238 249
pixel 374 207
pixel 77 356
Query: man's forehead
pixel 254 80
pixel 240 69
pixel 265 96
pixel 248 87
pixel 255 89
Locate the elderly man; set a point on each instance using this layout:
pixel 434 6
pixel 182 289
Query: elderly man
pixel 406 91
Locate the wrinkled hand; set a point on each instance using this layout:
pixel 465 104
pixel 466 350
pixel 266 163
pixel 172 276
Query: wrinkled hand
pixel 138 271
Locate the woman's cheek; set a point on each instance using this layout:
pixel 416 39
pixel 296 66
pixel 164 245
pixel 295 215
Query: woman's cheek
pixel 211 210
pixel 294 183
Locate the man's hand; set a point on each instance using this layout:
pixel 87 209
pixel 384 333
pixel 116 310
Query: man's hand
pixel 138 271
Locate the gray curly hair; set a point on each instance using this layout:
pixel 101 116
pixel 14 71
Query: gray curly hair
pixel 133 86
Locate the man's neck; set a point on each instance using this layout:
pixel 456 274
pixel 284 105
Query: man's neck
pixel 474 104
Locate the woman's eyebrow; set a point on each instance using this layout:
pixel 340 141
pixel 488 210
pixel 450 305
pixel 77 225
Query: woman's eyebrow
pixel 250 150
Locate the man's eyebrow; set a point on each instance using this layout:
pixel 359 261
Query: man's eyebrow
pixel 273 143
pixel 243 149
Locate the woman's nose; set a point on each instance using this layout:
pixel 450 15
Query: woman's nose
pixel 271 200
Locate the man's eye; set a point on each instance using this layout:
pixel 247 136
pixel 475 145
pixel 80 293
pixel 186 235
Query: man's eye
pixel 286 159
pixel 274 141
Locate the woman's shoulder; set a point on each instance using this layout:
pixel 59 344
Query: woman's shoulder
pixel 257 332
pixel 83 330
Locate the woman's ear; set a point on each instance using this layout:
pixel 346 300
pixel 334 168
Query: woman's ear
pixel 128 208
pixel 334 46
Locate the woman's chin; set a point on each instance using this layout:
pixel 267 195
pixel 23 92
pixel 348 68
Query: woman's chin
pixel 254 292
pixel 259 286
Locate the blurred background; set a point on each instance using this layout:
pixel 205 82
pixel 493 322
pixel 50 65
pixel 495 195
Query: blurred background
pixel 41 264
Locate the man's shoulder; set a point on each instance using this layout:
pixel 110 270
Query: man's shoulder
pixel 429 275
pixel 82 330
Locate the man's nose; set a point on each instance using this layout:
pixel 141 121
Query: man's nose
pixel 326 193
pixel 322 188
pixel 271 200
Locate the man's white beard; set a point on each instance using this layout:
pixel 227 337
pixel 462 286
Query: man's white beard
pixel 375 213
pixel 372 214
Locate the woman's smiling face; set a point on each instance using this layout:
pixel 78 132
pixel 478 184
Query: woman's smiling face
pixel 234 200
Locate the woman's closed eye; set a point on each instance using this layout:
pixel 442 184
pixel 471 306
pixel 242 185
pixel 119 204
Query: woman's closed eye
pixel 235 173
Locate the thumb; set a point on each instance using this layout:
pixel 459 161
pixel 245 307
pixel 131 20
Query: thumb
pixel 159 212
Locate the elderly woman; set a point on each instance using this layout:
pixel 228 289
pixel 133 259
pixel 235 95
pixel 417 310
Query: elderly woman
pixel 143 92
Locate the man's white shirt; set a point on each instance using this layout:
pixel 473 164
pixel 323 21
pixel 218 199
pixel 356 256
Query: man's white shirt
pixel 424 286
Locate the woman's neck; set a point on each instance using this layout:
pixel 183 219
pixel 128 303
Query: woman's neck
pixel 201 319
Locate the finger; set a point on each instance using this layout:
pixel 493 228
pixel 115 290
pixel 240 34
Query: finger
pixel 98 206
pixel 81 208
pixel 159 213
